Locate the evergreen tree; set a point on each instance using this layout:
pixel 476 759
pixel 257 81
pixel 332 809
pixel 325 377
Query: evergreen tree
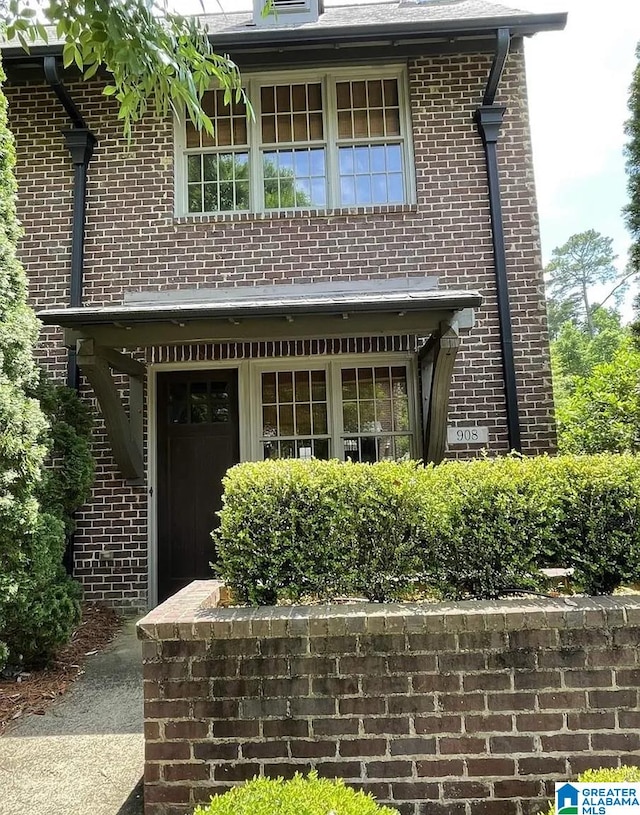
pixel 585 260
pixel 157 61
pixel 632 151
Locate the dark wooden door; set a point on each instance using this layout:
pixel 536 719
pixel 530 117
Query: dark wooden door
pixel 197 443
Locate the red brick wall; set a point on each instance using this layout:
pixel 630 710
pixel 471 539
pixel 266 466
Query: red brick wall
pixel 466 709
pixel 134 242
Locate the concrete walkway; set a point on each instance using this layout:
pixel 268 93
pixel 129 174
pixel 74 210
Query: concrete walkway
pixel 86 754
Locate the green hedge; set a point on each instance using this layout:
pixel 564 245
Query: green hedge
pixel 298 796
pixel 607 776
pixel 294 529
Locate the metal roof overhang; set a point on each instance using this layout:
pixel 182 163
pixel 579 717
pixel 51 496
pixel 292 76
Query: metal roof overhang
pixel 252 46
pixel 240 317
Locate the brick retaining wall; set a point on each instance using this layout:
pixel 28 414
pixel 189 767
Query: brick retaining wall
pixel 465 708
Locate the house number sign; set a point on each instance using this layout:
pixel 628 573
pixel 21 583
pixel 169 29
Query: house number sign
pixel 468 435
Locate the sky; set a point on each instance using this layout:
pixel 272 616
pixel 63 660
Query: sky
pixel 578 81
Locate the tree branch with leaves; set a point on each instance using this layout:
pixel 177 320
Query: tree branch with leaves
pixel 156 60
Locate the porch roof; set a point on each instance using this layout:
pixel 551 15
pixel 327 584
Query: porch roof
pixel 268 312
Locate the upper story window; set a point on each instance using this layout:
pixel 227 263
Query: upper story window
pixel 336 140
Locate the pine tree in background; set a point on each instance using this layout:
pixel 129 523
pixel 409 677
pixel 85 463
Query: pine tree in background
pixel 632 152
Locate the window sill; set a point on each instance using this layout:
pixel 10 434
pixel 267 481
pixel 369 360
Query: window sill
pixel 216 217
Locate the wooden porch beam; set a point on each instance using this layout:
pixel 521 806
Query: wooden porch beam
pixel 140 335
pixel 436 366
pixel 126 447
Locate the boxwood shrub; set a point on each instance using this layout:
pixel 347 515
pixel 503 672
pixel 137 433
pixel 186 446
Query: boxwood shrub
pixel 298 796
pixel 607 776
pixel 296 529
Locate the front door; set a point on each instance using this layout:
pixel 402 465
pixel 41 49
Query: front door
pixel 197 443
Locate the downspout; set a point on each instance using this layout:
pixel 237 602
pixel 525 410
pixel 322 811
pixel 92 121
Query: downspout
pixel 80 142
pixel 488 118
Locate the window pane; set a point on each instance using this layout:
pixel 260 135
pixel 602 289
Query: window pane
pixel 199 403
pixel 321 448
pixel 361 155
pixel 223 132
pixel 294 178
pixel 268 100
pixel 375 93
pixel 365 175
pixel 270 449
pixel 343 95
pixel 350 417
pixel 303 419
pixel 195 198
pixel 367 412
pixel 359 94
pixel 349 389
pixel 384 419
pixel 360 124
pixel 299 97
pixel 287 449
pixel 219 402
pixel 395 187
pixel 210 167
pixel 400 413
pixel 319 416
pixel 240 130
pixel 302 386
pixel 284 132
pixel 314 94
pixel 269 420
pixel 385 450
pixel 193 136
pixel 212 202
pixel 285 386
pixel 402 447
pixel 268 388
pixel 392 123
pixel 177 413
pixel 347 191
pixel 269 129
pixel 390 92
pixel 287 427
pixel 194 171
pixel 345 128
pixel 316 127
pixel 283 98
pixel 318 386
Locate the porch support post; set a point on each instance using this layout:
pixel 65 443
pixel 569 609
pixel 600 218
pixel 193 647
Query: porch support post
pixel 437 358
pixel 124 432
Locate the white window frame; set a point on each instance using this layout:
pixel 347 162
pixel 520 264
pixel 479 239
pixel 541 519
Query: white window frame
pixel 328 80
pixel 333 367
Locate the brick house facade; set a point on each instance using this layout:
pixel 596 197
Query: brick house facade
pixel 145 251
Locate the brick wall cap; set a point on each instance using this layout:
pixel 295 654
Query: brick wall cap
pixel 193 614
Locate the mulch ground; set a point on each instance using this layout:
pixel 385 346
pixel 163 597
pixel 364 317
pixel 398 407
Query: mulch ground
pixel 34 691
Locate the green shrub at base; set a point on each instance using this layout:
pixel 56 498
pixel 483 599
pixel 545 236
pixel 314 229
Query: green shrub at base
pixel 299 796
pixel 609 775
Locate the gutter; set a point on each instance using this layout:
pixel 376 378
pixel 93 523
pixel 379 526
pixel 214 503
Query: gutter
pixel 80 141
pixel 488 118
pixel 242 38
